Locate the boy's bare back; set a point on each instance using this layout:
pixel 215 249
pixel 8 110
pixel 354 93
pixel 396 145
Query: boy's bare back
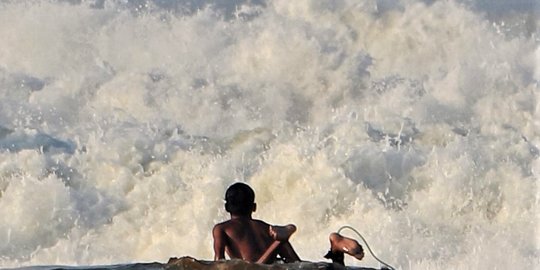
pixel 242 238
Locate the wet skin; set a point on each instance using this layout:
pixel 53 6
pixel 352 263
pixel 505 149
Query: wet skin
pixel 248 239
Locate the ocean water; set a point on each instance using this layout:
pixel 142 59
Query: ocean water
pixel 122 123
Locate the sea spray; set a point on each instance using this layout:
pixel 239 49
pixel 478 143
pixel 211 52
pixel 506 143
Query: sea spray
pixel 123 122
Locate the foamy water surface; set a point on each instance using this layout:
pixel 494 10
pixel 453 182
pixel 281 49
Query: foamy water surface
pixel 417 122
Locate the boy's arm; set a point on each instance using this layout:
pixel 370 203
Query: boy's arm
pixel 281 234
pixel 286 251
pixel 219 243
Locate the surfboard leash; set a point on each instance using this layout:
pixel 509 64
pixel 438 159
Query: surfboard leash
pixel 365 242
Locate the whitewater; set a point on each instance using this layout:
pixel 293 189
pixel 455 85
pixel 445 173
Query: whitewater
pixel 123 122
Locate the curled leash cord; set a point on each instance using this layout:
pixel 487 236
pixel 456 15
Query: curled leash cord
pixel 365 242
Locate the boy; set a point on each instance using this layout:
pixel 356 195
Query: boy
pixel 243 237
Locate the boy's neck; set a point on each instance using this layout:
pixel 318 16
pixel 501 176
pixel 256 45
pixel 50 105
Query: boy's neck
pixel 235 216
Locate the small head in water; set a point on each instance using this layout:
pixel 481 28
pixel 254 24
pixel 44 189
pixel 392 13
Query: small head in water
pixel 240 199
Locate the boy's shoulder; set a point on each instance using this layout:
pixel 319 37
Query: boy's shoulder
pixel 221 225
pixel 260 222
pixel 233 223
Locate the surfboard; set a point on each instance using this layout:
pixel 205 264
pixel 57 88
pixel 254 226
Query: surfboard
pixel 189 263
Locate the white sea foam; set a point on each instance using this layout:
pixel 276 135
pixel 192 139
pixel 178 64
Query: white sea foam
pixel 416 122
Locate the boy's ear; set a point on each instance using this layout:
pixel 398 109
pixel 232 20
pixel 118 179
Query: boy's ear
pixel 254 207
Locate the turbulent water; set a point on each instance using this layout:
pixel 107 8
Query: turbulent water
pixel 122 123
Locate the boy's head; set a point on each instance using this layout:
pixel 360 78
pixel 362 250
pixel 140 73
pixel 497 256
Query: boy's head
pixel 240 199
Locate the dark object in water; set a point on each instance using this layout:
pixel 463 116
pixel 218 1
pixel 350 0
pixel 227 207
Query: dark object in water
pixel 188 263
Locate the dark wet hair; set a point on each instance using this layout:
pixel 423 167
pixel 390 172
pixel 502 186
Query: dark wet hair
pixel 239 199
